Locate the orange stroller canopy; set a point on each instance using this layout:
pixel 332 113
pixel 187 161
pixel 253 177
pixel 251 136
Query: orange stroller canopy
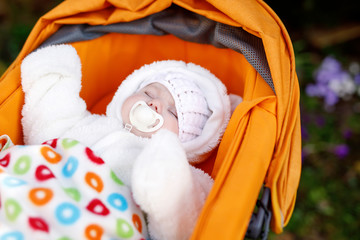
pixel 262 143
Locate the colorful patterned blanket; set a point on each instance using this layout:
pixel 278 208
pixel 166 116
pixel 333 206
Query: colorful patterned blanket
pixel 61 190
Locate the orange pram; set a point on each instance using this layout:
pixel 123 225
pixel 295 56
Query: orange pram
pixel 242 42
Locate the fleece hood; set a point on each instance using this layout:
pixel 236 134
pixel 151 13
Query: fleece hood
pixel 214 90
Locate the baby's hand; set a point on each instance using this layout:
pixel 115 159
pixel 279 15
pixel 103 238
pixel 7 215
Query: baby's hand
pixel 55 59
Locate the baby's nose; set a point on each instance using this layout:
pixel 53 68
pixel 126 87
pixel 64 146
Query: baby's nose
pixel 155 105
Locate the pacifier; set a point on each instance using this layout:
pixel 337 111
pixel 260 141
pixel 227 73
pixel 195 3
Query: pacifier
pixel 144 118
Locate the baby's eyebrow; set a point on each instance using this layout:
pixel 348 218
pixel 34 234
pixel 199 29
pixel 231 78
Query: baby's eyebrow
pixel 157 91
pixel 147 89
pixel 151 87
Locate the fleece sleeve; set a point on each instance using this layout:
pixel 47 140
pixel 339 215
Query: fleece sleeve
pixel 51 81
pixel 168 189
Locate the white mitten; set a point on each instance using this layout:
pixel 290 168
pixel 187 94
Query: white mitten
pixel 51 80
pixel 54 59
pixel 165 188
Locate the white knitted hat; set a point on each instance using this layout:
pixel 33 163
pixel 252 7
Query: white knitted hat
pixel 190 102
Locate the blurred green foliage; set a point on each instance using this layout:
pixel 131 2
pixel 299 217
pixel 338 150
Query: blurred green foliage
pixel 17 18
pixel 328 197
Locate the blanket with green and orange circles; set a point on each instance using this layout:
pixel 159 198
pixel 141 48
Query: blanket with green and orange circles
pixel 62 190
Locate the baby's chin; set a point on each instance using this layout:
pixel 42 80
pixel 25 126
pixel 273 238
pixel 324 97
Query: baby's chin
pixel 141 134
pixel 148 134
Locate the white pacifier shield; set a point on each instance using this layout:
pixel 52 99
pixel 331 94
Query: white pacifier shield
pixel 144 118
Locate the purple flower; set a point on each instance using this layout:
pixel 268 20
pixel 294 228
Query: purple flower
pixel 329 69
pixel 323 76
pixel 331 64
pixel 357 79
pixel 347 133
pixel 341 150
pixel 323 89
pixel 332 83
pixel 320 90
pixel 331 98
pixel 312 90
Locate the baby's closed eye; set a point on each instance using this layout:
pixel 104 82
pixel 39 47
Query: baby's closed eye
pixel 173 112
pixel 148 93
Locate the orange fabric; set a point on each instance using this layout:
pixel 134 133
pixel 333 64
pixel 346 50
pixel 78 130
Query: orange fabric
pixel 243 169
pixel 262 140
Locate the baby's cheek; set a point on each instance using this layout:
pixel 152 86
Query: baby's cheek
pixel 172 126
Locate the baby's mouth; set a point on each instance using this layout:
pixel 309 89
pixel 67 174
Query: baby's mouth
pixel 144 118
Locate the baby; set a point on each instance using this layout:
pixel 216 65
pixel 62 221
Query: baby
pixel 163 118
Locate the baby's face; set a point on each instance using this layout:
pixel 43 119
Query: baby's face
pixel 158 97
